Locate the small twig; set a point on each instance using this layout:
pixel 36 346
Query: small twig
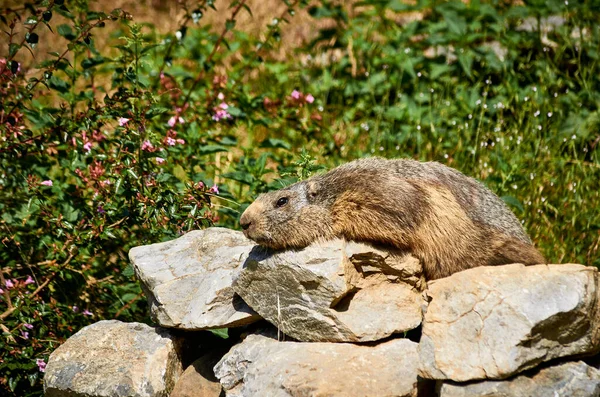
pixel 282 16
pixel 117 223
pixel 9 311
pixel 20 266
pixel 121 310
pixel 200 75
pixel 54 66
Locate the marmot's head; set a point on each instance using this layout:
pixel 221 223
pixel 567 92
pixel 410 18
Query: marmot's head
pixel 292 217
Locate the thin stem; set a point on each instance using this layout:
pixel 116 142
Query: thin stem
pixel 200 75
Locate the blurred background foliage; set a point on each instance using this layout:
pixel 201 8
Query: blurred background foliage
pixel 129 126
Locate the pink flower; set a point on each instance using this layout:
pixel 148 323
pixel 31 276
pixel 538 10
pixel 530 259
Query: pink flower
pixel 47 182
pixel 221 96
pixel 159 160
pixel 41 364
pixel 214 189
pixel 173 120
pixel 9 284
pixel 180 141
pixel 147 146
pixel 223 105
pixel 87 147
pixel 296 94
pixel 86 312
pixel 221 114
pixel 25 334
pixel 28 326
pixel 200 185
pixel 171 141
pixel 75 309
pixel 122 121
pixel 29 280
pixel 309 98
pixel 1 291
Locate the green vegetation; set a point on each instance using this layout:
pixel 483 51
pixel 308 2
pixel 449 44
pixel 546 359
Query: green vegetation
pixel 146 136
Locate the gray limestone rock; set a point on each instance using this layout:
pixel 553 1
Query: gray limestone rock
pixel 334 291
pixel 188 280
pixel 260 366
pixel 111 358
pixel 494 322
pixel 572 379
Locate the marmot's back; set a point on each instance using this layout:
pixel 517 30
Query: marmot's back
pixel 480 203
pixel 450 221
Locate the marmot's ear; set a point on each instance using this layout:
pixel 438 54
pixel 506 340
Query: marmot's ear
pixel 312 188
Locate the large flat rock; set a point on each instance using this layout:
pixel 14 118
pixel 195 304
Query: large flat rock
pixel 334 291
pixel 571 379
pixel 260 366
pixel 115 359
pixel 494 322
pixel 188 280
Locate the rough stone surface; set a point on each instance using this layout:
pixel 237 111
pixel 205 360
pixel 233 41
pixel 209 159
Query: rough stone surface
pixel 111 358
pixel 493 322
pixel 188 280
pixel 199 380
pixel 334 291
pixel 573 379
pixel 261 366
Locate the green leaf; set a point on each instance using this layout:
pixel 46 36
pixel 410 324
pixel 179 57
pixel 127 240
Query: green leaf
pixel 70 214
pixel 230 24
pixel 58 84
pixel 91 62
pixel 235 112
pixel 128 271
pixel 394 113
pixel 514 202
pixel 66 31
pixel 155 111
pixel 129 296
pixel 239 176
pixel 229 140
pixel 466 62
pixel 220 332
pixel 275 143
pixel 12 49
pixel 210 149
pixel 439 69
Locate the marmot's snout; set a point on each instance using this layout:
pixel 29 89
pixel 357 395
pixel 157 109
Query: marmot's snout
pixel 248 220
pixel 245 223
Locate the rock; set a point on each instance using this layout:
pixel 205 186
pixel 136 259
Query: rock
pixel 334 291
pixel 260 366
pixel 498 321
pixel 572 379
pixel 188 280
pixel 111 358
pixel 199 380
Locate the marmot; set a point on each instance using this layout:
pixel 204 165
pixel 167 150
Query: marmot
pixel 448 220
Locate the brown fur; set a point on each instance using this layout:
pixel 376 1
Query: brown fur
pixel 448 220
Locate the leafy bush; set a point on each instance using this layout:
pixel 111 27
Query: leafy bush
pixel 126 136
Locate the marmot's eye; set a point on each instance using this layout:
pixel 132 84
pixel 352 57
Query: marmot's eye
pixel 281 202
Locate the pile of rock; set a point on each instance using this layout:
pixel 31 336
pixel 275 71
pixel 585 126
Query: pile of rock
pixel 507 330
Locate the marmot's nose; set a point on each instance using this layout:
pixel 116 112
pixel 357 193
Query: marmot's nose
pixel 244 222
